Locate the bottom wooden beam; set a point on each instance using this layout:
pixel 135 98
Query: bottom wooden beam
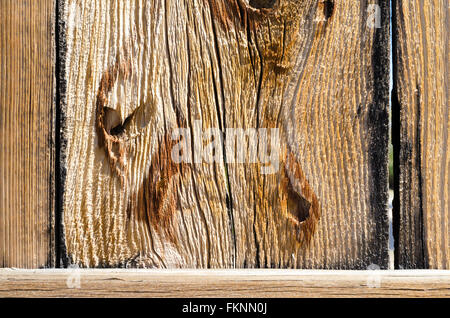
pixel 222 283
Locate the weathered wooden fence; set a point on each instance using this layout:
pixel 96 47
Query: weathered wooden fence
pixel 94 93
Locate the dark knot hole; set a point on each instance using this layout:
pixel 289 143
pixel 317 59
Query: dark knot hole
pixel 113 123
pixel 298 206
pixel 328 8
pixel 262 4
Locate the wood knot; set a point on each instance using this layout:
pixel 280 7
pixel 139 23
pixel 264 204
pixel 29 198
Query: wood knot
pixel 154 203
pixel 302 205
pixel 110 126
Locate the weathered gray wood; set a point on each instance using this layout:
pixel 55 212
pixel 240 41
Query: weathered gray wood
pixel 421 123
pixel 223 283
pixel 136 70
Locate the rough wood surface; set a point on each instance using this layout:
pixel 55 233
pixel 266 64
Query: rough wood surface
pixel 26 133
pixel 136 70
pixel 223 283
pixel 421 107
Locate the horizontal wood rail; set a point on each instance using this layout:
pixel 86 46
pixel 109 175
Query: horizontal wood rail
pixel 222 283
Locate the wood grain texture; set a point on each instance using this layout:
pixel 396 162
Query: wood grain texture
pixel 223 283
pixel 26 133
pixel 421 109
pixel 136 70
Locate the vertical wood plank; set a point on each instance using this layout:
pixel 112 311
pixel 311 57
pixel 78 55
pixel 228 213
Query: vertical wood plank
pixel 136 70
pixel 26 133
pixel 421 111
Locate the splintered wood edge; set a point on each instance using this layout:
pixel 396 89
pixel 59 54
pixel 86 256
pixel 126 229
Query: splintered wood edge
pixel 223 283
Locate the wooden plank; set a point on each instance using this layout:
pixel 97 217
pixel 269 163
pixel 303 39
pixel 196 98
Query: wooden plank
pixel 223 283
pixel 26 133
pixel 315 70
pixel 421 109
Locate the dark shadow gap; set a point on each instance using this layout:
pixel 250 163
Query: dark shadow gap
pixel 395 133
pixel 391 145
pixel 60 173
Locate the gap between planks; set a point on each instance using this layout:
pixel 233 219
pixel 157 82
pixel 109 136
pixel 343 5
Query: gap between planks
pixel 223 283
